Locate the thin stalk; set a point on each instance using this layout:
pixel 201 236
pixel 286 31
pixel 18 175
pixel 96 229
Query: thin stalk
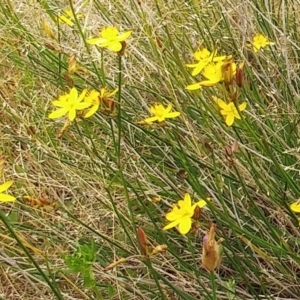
pixel 119 119
pixel 213 285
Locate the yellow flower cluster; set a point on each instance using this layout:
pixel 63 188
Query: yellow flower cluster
pixel 72 102
pixel 222 69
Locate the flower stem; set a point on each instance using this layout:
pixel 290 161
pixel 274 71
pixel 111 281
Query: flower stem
pixel 213 285
pixel 119 121
pixel 102 70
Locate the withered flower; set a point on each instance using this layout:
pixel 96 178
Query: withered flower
pixel 212 251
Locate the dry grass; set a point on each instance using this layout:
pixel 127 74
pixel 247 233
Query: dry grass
pixel 79 176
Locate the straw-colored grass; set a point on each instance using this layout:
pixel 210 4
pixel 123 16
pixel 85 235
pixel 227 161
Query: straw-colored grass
pixel 98 182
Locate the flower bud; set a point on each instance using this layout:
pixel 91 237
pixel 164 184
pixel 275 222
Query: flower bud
pixel 239 76
pixel 197 213
pixel 48 30
pixel 212 251
pixel 142 238
pixel 228 70
pixel 72 64
pixel 122 51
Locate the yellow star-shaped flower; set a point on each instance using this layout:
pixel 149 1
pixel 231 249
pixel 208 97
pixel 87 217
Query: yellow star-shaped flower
pixel 229 110
pixel 95 98
pixel 260 41
pixel 204 58
pixel 160 114
pixel 110 38
pixel 69 104
pixel 182 213
pixel 215 73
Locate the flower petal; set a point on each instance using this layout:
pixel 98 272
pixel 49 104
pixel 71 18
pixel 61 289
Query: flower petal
pixel 72 114
pixel 192 65
pixel 161 119
pixel 151 120
pixel 202 203
pixel 91 111
pixel 219 58
pixel 96 41
pixel 173 215
pixel 123 36
pixel 229 119
pixel 73 94
pixel 187 200
pixel 236 115
pixel 64 19
pixel 172 224
pixel 193 87
pixel 109 32
pixel 7 198
pixel 58 113
pixel 168 109
pixel 114 46
pixel 83 93
pixel 5 185
pixel 173 114
pixel 82 105
pixel 185 225
pixel 222 104
pixel 59 103
pixel 208 83
pixel 242 106
pixel 112 93
pixel 199 67
pixel 295 207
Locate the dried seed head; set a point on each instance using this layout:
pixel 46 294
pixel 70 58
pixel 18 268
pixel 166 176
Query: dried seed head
pixel 212 251
pixel 72 64
pixel 142 238
pixel 239 76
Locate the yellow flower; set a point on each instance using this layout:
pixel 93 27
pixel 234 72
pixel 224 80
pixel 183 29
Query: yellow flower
pixel 67 17
pixel 182 213
pixel 110 38
pixel 229 110
pixel 5 197
pixel 160 113
pixel 213 72
pixel 295 207
pixel 69 104
pixel 259 41
pixel 94 98
pixel 204 57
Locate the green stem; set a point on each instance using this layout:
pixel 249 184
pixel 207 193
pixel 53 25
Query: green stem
pixel 213 285
pixel 97 293
pixel 119 120
pixel 102 70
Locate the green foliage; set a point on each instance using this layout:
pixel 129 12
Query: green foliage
pixel 81 261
